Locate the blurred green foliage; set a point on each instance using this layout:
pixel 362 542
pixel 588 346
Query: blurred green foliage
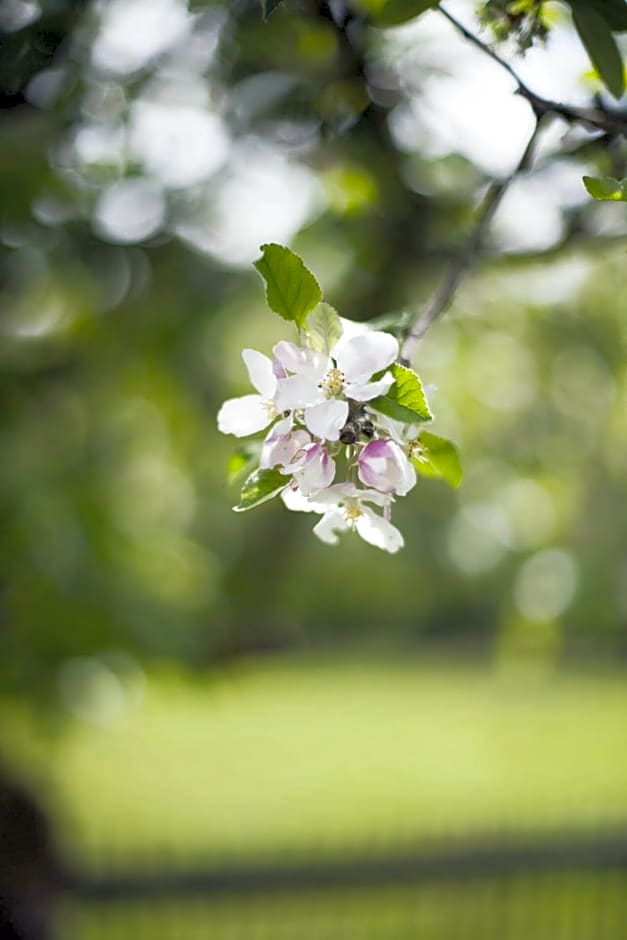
pixel 127 293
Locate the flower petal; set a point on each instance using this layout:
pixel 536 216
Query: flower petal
pixel 279 449
pixel 378 531
pixel 313 469
pixel 361 356
pixel 373 496
pixel 301 360
pixel 352 328
pixel 279 371
pixel 334 495
pixel 332 522
pixel 282 427
pixel 408 477
pixel 369 390
pixel 298 502
pixel 398 430
pixel 244 415
pixel 327 419
pixel 384 466
pixel 297 392
pixel 261 372
pixel 340 492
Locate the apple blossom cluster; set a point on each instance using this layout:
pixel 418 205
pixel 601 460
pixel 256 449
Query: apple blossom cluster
pixel 340 416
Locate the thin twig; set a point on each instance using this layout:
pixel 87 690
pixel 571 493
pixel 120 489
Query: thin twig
pixel 613 122
pixel 446 291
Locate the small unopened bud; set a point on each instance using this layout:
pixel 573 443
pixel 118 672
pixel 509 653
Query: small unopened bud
pixel 367 428
pixel 350 433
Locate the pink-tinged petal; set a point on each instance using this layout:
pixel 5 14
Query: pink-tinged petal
pixel 302 361
pixel 303 455
pixel 370 472
pixel 296 392
pixel 261 372
pixel 361 356
pixel 383 465
pixel 373 463
pixel 369 390
pixel 279 371
pixel 279 450
pixel 314 471
pixel 243 416
pixel 332 522
pixel 378 531
pixel 327 419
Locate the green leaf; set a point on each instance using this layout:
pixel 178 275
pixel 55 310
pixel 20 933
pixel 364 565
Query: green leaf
pixel 260 486
pixel 291 289
pixel 241 461
pixel 396 12
pixel 596 35
pixel 406 400
pixel 437 457
pixel 324 328
pixel 614 12
pixel 606 188
pixel 267 7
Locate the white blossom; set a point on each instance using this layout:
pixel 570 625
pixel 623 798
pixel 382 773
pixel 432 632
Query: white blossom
pixel 322 385
pixel 249 414
pixel 343 507
pixel 319 405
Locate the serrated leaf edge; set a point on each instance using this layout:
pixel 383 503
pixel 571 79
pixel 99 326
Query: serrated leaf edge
pixel 279 290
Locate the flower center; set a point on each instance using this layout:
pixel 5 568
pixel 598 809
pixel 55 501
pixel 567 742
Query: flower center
pixel 333 383
pixel 271 410
pixel 352 511
pixel 416 451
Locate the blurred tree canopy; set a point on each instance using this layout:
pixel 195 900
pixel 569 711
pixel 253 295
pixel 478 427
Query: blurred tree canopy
pixel 147 148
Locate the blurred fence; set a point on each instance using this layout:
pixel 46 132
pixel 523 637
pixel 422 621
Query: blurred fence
pixel 562 887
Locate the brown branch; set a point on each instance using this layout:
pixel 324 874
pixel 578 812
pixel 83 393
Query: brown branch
pixel 613 122
pixel 443 296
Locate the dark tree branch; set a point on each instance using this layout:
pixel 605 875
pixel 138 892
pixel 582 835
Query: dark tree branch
pixel 575 238
pixel 613 122
pixel 606 126
pixel 443 296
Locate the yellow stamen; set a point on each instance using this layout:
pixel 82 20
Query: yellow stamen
pixel 352 512
pixel 333 383
pixel 416 451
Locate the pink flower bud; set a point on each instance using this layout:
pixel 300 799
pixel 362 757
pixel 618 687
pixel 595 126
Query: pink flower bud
pixel 384 466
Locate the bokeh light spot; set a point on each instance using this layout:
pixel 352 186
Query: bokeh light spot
pixel 546 584
pixel 129 211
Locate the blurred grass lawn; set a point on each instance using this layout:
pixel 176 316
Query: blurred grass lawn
pixel 289 758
